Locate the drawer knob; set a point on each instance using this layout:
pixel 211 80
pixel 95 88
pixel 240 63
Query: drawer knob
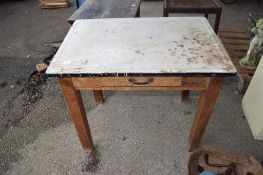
pixel 140 81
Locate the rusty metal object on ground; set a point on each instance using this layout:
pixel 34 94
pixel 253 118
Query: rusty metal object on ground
pixel 219 162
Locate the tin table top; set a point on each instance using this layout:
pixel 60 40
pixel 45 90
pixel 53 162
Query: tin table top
pixel 183 46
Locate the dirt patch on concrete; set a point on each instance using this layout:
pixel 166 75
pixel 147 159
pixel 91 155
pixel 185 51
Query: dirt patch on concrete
pixel 24 100
pixel 36 79
pixel 91 163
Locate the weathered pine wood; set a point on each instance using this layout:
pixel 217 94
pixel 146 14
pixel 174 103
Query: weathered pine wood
pixel 95 82
pixel 122 83
pixel 54 3
pixel 236 42
pixel 98 96
pixel 205 7
pixel 205 108
pixel 234 30
pixel 179 88
pixel 232 35
pixel 192 3
pixel 78 114
pixel 209 85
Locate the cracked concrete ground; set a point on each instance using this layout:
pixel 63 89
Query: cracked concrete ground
pixel 135 132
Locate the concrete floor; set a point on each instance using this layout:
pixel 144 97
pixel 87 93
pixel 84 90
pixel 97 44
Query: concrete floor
pixel 135 132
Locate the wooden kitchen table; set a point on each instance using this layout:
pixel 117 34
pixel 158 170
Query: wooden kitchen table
pixel 177 53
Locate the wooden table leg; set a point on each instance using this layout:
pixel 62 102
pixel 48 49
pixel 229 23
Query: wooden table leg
pixel 138 13
pixel 185 95
pixel 98 96
pixel 165 9
pixel 205 108
pixel 78 114
pixel 217 20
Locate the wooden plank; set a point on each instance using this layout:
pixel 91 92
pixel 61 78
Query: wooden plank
pixel 93 9
pixel 54 3
pixel 145 88
pixel 233 36
pixel 191 4
pixel 98 96
pixel 96 82
pixel 233 30
pixel 78 114
pixel 236 47
pixel 195 82
pixel 237 54
pixel 237 44
pixel 205 108
pixel 159 83
pixel 236 41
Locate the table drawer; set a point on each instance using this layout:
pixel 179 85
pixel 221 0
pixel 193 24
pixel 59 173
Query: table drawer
pixel 96 82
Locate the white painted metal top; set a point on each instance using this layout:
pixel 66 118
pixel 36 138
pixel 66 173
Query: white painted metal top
pixel 127 46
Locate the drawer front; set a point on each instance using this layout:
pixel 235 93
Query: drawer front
pixel 97 82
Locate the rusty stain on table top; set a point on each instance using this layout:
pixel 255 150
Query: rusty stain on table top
pixel 127 46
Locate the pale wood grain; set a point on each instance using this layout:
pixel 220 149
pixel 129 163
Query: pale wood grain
pixel 205 108
pixel 78 114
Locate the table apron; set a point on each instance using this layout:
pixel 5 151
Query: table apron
pixel 140 83
pixel 71 86
pixel 195 10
